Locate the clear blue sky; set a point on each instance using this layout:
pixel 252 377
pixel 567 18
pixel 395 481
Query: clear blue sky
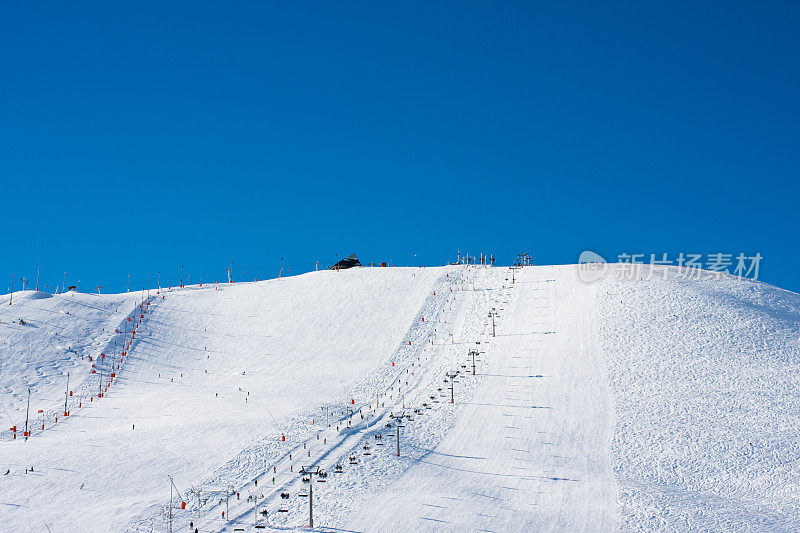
pixel 135 137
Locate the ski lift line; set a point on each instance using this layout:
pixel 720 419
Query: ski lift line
pixel 8 415
pixel 176 488
pixel 316 460
pixel 347 437
pixel 110 346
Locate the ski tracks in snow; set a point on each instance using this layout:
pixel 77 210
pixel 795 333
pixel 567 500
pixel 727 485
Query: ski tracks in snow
pixel 424 354
pixel 528 449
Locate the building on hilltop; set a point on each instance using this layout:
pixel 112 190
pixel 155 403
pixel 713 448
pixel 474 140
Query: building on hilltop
pixel 348 262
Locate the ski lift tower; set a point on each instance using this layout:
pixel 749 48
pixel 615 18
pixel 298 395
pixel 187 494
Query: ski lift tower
pixel 523 259
pixel 473 353
pixel 398 424
pixel 513 269
pixel 228 491
pixel 451 378
pixel 311 471
pixel 492 314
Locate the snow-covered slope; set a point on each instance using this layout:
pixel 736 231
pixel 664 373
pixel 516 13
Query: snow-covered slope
pixel 651 403
pixel 213 376
pixel 706 382
pixel 528 449
pixel 42 338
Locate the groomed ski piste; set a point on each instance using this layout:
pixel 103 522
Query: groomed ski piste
pixel 650 400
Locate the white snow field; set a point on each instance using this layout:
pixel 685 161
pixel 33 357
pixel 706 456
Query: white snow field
pixel 645 401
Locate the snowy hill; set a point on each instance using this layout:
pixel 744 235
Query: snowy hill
pixel 648 403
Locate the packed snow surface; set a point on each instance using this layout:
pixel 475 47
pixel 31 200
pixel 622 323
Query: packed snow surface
pixel 648 400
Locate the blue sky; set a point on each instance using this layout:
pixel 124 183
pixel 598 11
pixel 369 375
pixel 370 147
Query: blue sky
pixel 136 137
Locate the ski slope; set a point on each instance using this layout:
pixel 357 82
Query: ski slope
pixel 528 449
pixel 59 335
pixel 645 402
pixel 706 381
